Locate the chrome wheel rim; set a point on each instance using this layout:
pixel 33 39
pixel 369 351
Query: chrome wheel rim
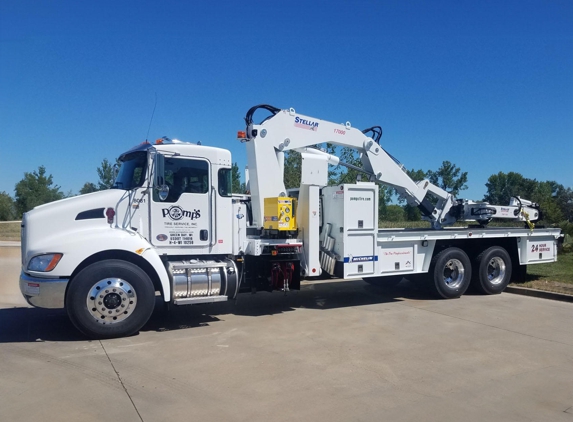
pixel 496 270
pixel 111 300
pixel 453 273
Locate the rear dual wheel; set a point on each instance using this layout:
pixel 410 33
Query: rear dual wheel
pixel 451 271
pixel 492 271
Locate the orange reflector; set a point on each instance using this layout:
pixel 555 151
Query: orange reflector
pixel 241 134
pixel 54 262
pixel 159 142
pixel 273 253
pixel 140 251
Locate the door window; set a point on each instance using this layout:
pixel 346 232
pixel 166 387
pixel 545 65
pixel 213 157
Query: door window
pixel 184 176
pixel 225 182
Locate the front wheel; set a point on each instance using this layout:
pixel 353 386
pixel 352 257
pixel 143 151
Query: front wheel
pixel 492 271
pixel 110 298
pixel 451 270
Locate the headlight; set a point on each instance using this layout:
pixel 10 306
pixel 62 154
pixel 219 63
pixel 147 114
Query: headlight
pixel 44 263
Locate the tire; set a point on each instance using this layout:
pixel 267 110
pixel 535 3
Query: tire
pixel 386 281
pixel 451 270
pixel 492 271
pixel 109 299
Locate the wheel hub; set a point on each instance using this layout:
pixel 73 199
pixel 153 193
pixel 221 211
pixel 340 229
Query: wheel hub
pixel 496 270
pixel 453 273
pixel 111 300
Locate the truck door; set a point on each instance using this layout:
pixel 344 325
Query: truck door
pixel 183 219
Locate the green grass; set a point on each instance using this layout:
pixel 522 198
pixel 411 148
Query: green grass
pixel 382 224
pixel 10 230
pixel 560 271
pixel 554 277
pixel 404 224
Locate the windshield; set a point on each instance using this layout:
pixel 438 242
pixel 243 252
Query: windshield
pixel 132 171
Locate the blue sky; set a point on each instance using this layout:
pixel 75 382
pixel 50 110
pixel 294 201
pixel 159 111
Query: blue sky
pixel 487 85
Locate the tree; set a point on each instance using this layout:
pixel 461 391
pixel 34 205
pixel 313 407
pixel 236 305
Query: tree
pixel 393 213
pixel 35 189
pixel 501 187
pixel 237 186
pixel 564 199
pixel 7 210
pixel 411 212
pixel 555 200
pixel 292 169
pixel 106 175
pixel 343 174
pixel 449 177
pixel 88 187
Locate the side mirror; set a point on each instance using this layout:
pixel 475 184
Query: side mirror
pixel 162 192
pixel 159 164
pixel 159 177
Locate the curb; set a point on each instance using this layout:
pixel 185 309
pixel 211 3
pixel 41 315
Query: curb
pixel 539 293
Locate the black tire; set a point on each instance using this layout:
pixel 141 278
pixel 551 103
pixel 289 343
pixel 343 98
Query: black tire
pixel 386 281
pixel 109 299
pixel 492 271
pixel 451 270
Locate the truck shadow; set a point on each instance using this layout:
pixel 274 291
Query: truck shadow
pixel 22 324
pixel 322 295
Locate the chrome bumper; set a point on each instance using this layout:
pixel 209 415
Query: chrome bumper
pixel 43 292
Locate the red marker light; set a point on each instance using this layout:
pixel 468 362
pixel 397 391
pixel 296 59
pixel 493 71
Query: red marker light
pixel 241 134
pixel 110 213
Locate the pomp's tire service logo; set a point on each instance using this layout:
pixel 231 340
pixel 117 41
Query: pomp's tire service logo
pixel 176 213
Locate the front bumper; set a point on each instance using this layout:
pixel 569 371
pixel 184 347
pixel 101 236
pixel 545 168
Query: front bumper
pixel 43 292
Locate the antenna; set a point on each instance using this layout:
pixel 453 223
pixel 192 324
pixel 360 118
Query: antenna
pixel 151 120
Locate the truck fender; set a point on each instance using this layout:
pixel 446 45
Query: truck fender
pixel 150 255
pixel 85 245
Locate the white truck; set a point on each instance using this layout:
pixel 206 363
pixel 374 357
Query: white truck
pixel 171 227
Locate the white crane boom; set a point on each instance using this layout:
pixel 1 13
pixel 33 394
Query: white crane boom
pixel 287 130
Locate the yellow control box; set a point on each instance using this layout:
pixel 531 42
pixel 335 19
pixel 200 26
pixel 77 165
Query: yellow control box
pixel 280 213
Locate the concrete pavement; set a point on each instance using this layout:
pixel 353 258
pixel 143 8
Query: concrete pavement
pixel 335 351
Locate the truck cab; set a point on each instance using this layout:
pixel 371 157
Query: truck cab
pixel 167 216
pixel 181 197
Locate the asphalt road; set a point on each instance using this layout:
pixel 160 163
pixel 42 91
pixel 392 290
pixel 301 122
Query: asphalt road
pixel 335 351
